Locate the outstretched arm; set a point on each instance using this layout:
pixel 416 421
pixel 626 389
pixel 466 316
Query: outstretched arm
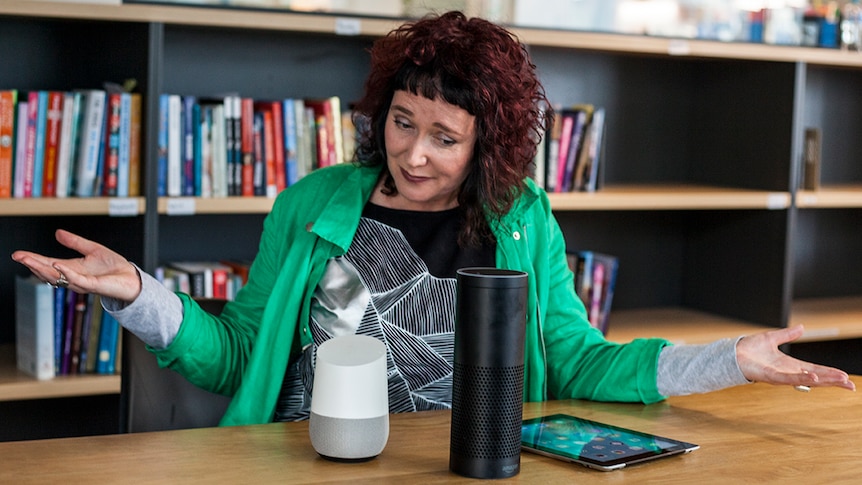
pixel 760 360
pixel 99 270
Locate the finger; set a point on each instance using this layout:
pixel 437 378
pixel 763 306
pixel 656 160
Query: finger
pixel 787 335
pixel 39 265
pixel 76 242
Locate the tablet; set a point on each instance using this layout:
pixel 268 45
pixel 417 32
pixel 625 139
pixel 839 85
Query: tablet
pixel 596 445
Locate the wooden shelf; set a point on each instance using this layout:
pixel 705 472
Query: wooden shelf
pixel 215 205
pixel 828 318
pixel 16 385
pixel 679 325
pixel 274 19
pixel 73 206
pixel 831 197
pixel 669 197
pixel 824 319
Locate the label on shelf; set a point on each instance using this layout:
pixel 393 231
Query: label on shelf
pixel 347 26
pixel 776 201
pixel 123 207
pixel 181 206
pixel 678 47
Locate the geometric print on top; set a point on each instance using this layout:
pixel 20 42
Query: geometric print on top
pixel 382 289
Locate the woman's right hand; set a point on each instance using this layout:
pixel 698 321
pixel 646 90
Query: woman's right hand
pixel 99 270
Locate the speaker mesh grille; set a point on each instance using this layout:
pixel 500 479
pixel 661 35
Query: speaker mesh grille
pixel 486 411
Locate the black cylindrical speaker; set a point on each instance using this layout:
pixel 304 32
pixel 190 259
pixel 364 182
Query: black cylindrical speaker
pixel 488 373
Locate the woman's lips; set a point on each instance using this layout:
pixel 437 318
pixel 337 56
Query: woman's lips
pixel 413 179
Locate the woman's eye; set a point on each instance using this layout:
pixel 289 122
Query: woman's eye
pixel 446 141
pixel 402 124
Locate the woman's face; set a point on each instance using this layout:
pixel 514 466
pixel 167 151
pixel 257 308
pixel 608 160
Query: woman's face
pixel 429 145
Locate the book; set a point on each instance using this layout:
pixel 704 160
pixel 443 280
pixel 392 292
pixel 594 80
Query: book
pixel 124 135
pixel 273 124
pixel 53 127
pixel 91 133
pixel 175 150
pixel 111 139
pixel 109 335
pixel 135 120
pixel 68 143
pixel 811 159
pixel 587 171
pixel 22 132
pixel 259 173
pixel 92 341
pixel 207 279
pixel 188 145
pixel 291 130
pixel 162 147
pixel 218 135
pixel 79 312
pixel 33 140
pixel 595 276
pixel 582 115
pixel 8 99
pixel 34 327
pixel 246 131
pixel 38 166
pixel 205 148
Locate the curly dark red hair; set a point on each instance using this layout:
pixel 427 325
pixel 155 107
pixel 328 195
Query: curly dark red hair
pixel 479 67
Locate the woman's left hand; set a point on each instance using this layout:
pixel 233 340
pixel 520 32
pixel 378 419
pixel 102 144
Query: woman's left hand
pixel 761 360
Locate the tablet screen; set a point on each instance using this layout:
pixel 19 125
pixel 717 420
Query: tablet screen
pixel 598 445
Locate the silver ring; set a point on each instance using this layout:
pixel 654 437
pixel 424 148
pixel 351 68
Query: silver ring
pixel 61 282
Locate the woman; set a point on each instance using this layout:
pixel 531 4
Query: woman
pixel 452 112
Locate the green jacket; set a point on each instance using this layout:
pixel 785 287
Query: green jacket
pixel 245 351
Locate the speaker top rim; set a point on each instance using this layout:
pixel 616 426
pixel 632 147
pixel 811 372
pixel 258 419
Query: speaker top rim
pixel 491 277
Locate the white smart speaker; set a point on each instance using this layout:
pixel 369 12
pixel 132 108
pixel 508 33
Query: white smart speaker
pixel 349 418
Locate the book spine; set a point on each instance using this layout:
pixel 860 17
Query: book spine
pixel 279 155
pixel 188 136
pixel 53 126
pixel 219 152
pixel 30 154
pixel 21 142
pixel 230 145
pixel 108 336
pixel 268 139
pixel 162 149
pixel 568 122
pixel 197 150
pixel 112 146
pixel 259 176
pixel 175 149
pixel 581 119
pixel 64 150
pixel 39 147
pixel 206 151
pixel 135 114
pixel 247 144
pixel 124 145
pixel 91 139
pixel 290 148
pixel 8 98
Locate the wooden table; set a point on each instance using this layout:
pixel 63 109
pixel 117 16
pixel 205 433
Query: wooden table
pixel 752 434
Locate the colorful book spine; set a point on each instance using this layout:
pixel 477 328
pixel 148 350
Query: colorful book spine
pixel 53 126
pixel 112 146
pixel 188 136
pixel 135 119
pixel 22 132
pixel 123 152
pixel 291 170
pixel 68 142
pixel 8 99
pixel 90 142
pixel 175 151
pixel 162 148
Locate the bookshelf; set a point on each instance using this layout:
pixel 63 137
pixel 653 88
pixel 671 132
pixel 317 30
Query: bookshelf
pixel 703 154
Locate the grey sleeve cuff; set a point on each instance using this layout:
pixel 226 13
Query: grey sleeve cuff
pixel 154 316
pixel 691 369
